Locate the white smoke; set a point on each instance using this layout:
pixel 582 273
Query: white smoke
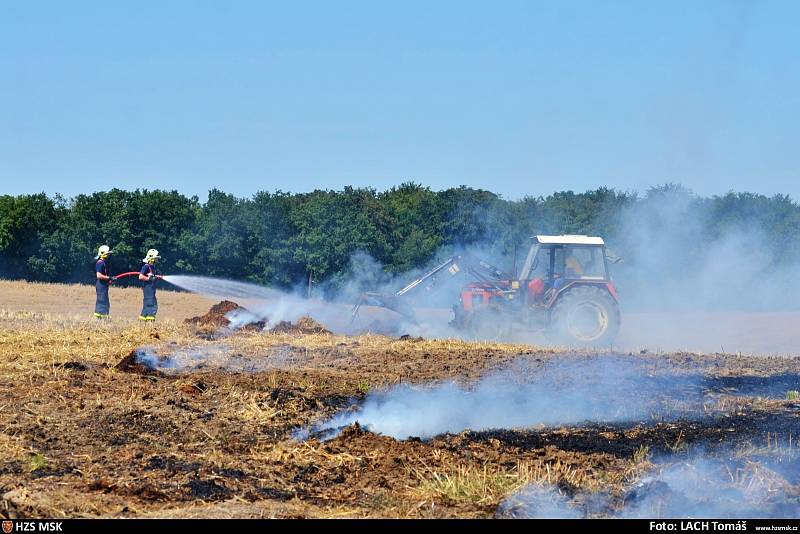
pixel 263 303
pixel 241 317
pixel 273 306
pixel 698 487
pixel 537 501
pixel 710 488
pixel 216 357
pixel 696 284
pixel 602 389
pixel 673 262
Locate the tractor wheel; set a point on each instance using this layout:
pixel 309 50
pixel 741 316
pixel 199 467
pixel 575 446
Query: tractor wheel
pixel 586 316
pixel 488 325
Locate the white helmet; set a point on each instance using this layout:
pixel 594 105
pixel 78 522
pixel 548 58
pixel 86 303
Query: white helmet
pixel 104 250
pixel 152 254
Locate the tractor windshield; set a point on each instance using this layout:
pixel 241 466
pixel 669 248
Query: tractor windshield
pixel 551 261
pixel 579 262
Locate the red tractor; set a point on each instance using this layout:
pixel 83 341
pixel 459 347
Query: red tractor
pixel 563 289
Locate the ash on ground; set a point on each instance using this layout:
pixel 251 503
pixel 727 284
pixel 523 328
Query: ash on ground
pixel 153 361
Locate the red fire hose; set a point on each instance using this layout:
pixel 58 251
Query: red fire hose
pixel 132 273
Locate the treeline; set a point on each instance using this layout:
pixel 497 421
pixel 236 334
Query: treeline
pixel 281 239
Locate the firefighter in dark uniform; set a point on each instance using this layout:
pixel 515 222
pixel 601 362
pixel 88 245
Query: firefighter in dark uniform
pixel 102 305
pixel 149 276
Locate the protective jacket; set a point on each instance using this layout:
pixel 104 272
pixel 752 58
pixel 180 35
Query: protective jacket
pixel 102 305
pixel 150 302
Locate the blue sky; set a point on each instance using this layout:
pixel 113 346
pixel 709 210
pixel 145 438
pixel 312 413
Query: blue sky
pixel 519 97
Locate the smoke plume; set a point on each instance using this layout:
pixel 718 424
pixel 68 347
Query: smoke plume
pixel 606 389
pixel 216 357
pixel 263 303
pixel 697 487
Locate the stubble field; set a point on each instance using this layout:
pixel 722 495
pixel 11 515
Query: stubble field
pixel 119 419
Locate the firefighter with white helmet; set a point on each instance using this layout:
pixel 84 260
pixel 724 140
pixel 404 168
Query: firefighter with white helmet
pixel 149 276
pixel 102 305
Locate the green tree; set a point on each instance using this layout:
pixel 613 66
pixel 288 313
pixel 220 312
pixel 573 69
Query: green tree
pixel 217 243
pixel 25 222
pixel 332 226
pixel 272 240
pixel 419 215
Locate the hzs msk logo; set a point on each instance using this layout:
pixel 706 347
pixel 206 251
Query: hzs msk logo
pixel 8 526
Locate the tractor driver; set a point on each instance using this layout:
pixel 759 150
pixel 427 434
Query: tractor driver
pixel 572 266
pixel 572 269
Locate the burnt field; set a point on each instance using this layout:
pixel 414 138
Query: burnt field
pixel 193 420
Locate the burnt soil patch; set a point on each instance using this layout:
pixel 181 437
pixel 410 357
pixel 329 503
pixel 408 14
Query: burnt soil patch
pixel 304 325
pixel 132 364
pixel 215 317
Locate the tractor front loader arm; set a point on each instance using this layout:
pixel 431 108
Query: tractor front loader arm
pixel 393 301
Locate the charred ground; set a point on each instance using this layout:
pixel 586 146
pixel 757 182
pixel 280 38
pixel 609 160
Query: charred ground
pixel 87 430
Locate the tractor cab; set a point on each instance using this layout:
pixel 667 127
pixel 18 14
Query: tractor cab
pixel 556 261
